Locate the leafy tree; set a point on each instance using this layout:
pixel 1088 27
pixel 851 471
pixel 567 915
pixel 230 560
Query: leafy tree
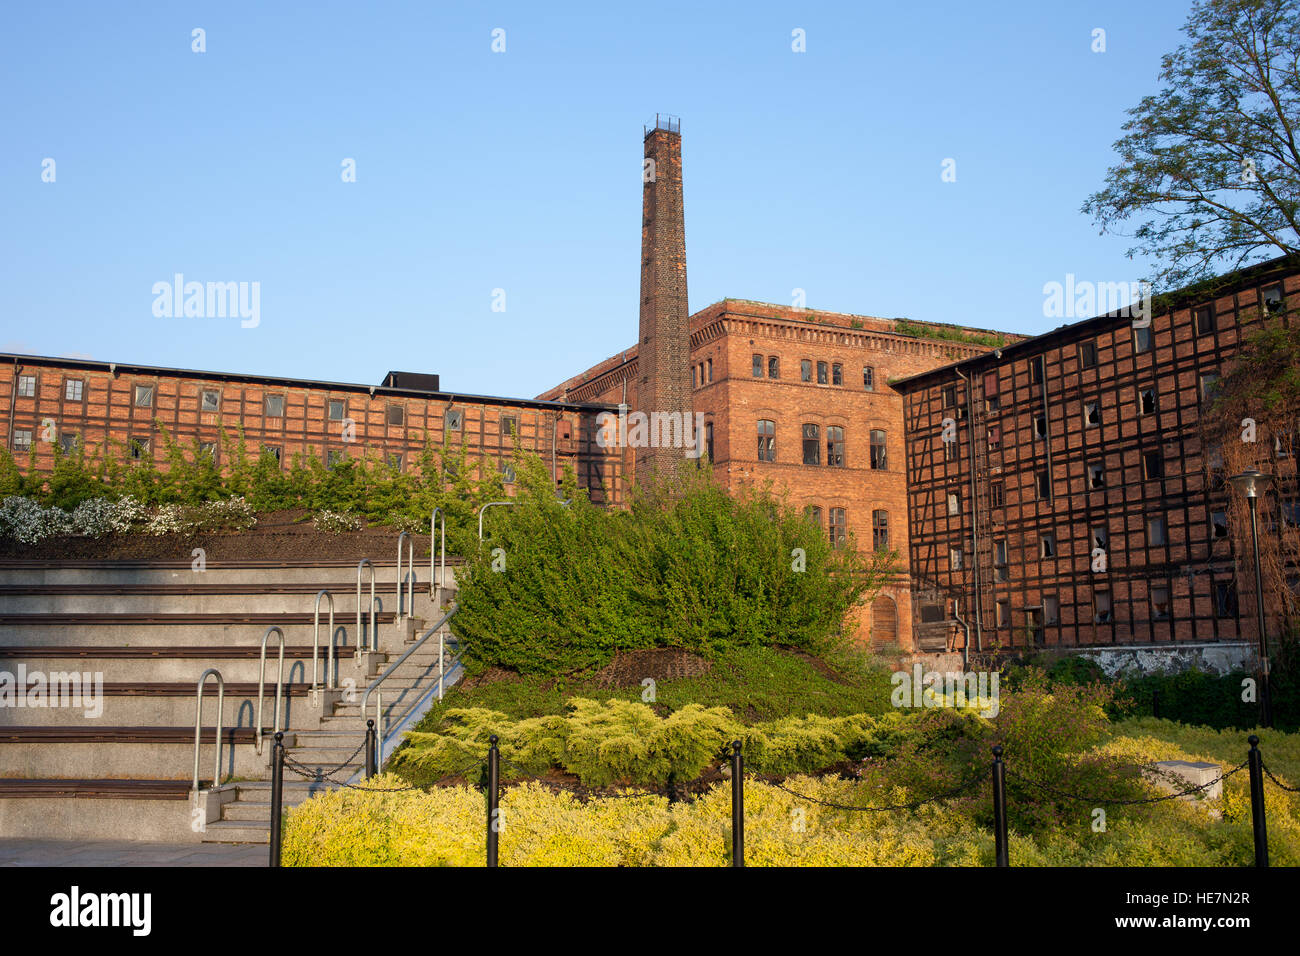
pixel 1209 167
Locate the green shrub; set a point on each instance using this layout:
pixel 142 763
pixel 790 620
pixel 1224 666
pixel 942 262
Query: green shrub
pixel 558 589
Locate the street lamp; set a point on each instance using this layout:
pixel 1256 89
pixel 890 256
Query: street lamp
pixel 1251 484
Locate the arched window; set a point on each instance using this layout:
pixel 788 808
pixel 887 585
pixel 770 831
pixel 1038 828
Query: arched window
pixel 834 446
pixel 766 440
pixel 812 446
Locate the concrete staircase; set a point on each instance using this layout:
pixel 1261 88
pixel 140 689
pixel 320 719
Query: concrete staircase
pixel 117 762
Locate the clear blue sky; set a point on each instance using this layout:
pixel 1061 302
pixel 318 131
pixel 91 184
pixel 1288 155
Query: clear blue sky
pixel 522 171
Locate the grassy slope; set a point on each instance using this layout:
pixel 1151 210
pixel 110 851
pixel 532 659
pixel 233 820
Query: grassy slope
pixel 757 684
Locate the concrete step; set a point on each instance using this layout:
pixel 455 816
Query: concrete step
pixel 156 753
pixel 170 665
pixel 228 831
pixel 340 577
pixel 153 601
pixel 156 704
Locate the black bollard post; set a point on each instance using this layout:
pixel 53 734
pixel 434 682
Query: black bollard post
pixel 1000 807
pixel 277 795
pixel 1256 762
pixel 493 784
pixel 372 759
pixel 737 805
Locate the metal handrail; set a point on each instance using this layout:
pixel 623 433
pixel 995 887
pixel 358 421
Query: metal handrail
pixel 564 503
pixel 198 725
pixel 315 642
pixel 436 629
pixel 410 566
pixel 261 682
pixel 440 582
pixel 485 507
pixel 374 634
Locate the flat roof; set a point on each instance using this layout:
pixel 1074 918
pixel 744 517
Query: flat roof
pixel 118 367
pixel 1160 305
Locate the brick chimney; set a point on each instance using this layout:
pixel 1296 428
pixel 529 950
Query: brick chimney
pixel 664 353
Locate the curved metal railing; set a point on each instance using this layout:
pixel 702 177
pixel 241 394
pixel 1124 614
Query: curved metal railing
pixel 198 724
pixel 438 582
pixel 410 568
pixel 315 643
pixel 374 632
pixel 261 682
pixel 485 507
pixel 374 685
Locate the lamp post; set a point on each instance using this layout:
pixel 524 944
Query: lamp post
pixel 1251 484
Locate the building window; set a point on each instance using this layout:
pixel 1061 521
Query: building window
pixel 812 446
pixel 68 441
pixel 1004 613
pixel 695 377
pixel 208 448
pixel 22 439
pixel 766 440
pixel 949 396
pixel 997 494
pixel 1153 465
pixel 805 370
pixel 1157 535
pixel 334 456
pixel 1204 320
pixel 274 452
pixel 954 559
pixel 1047 544
pixel 708 366
pixel 834 446
pixel 394 460
pixel 396 415
pixel 879 455
pixel 1000 559
pixel 509 425
pixel 26 386
pixel 1044 485
pixel 1091 413
pixel 995 436
pixel 507 473
pixel 144 396
pixel 814 515
pixel 880 530
pixel 1218 524
pixel 1272 298
pixel 1147 399
pixel 1100 536
pixel 454 419
pixel 209 400
pixel 1160 602
pixel 950 451
pixel 837 374
pixel 1036 370
pixel 1101 607
pixel 1088 354
pixel 275 406
pixel 1096 476
pixel 1051 609
pixel 868 378
pixel 954 503
pixel 1209 386
pixel 1142 339
pixel 337 409
pixel 1040 426
pixel 839 528
pixel 139 448
pixel 773 367
pixel 708 441
pixel 821 373
pixel 73 389
pixel 1225 599
pixel 758 366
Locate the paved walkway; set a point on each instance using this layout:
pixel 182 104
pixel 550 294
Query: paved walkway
pixel 92 853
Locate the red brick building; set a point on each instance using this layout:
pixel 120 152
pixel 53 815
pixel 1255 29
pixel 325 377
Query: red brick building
pixel 1084 440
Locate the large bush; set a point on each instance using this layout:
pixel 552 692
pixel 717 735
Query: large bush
pixel 559 587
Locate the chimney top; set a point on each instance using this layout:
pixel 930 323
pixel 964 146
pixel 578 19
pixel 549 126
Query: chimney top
pixel 672 124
